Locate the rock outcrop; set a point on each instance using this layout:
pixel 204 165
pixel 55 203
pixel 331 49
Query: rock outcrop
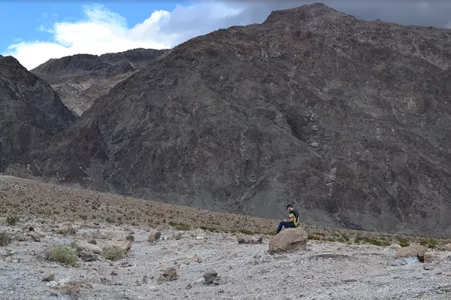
pixel 80 79
pixel 288 240
pixel 30 111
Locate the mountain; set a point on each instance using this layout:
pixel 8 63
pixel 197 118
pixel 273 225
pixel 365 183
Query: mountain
pixel 344 118
pixel 29 111
pixel 81 79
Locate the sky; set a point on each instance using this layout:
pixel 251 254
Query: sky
pixel 36 31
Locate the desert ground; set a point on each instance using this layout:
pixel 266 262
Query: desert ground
pixel 191 254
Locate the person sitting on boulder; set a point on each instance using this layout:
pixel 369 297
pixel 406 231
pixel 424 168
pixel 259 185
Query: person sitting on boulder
pixel 292 221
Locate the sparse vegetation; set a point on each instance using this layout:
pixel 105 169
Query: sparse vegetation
pixel 430 243
pixel 5 238
pixel 403 242
pixel 206 228
pixel 63 255
pixel 179 226
pixel 371 241
pixel 12 220
pixel 245 231
pixel 113 253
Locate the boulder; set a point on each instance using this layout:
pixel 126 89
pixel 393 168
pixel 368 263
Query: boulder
pixel 87 251
pixel 414 250
pixel 288 240
pixel 430 257
pixel 447 247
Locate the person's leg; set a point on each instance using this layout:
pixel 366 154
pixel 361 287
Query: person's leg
pixel 281 224
pixel 289 225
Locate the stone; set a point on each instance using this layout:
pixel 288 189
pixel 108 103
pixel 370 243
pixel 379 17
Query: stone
pixel 49 278
pixel 430 257
pixel 85 246
pixel 170 274
pixel 413 250
pixel 447 247
pixel 154 236
pixel 288 240
pixel 87 252
pixel 67 230
pixel 211 277
pixel 178 236
pixel 145 279
pixel 34 236
pixel 243 239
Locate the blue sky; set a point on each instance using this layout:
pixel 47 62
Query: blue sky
pixel 36 31
pixel 24 18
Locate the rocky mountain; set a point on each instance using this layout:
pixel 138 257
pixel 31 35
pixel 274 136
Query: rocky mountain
pixel 29 111
pixel 81 79
pixel 347 119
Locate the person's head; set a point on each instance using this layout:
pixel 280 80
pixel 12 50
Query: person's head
pixel 289 207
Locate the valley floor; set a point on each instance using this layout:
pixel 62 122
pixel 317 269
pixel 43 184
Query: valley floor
pixel 323 271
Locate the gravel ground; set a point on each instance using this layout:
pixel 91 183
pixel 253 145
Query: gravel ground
pixel 323 271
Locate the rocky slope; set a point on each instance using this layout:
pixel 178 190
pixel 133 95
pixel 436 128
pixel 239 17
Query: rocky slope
pixel 347 119
pixel 29 111
pixel 80 79
pixel 37 219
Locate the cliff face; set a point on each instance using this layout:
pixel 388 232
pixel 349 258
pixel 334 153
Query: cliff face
pixel 347 119
pixel 80 79
pixel 29 111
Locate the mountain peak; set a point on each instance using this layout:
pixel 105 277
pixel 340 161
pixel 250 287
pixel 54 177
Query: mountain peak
pixel 301 13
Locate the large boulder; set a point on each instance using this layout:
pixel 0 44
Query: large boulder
pixel 414 250
pixel 288 240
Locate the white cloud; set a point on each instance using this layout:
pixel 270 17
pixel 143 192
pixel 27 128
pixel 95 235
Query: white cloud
pixel 105 31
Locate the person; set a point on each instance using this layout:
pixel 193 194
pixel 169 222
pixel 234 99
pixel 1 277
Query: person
pixel 292 221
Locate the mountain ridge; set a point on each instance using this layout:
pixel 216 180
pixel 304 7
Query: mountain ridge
pixel 345 118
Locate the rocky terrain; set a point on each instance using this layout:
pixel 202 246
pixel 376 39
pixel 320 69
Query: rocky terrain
pixel 58 252
pixel 30 111
pixel 80 79
pixel 349 122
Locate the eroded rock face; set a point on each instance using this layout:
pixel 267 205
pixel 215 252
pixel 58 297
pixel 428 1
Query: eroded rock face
pixel 30 111
pixel 80 79
pixel 347 119
pixel 288 240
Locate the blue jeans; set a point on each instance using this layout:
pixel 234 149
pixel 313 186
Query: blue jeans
pixel 286 224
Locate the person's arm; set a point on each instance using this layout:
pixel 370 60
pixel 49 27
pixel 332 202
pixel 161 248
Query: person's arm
pixel 290 218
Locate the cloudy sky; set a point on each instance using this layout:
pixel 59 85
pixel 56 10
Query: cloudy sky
pixel 35 31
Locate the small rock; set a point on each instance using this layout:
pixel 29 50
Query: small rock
pixel 169 274
pixel 241 239
pixel 34 235
pixel 405 261
pixel 67 230
pixel 154 236
pixel 429 267
pixel 92 242
pixel 211 277
pixel 178 236
pixel 49 278
pixel 145 279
